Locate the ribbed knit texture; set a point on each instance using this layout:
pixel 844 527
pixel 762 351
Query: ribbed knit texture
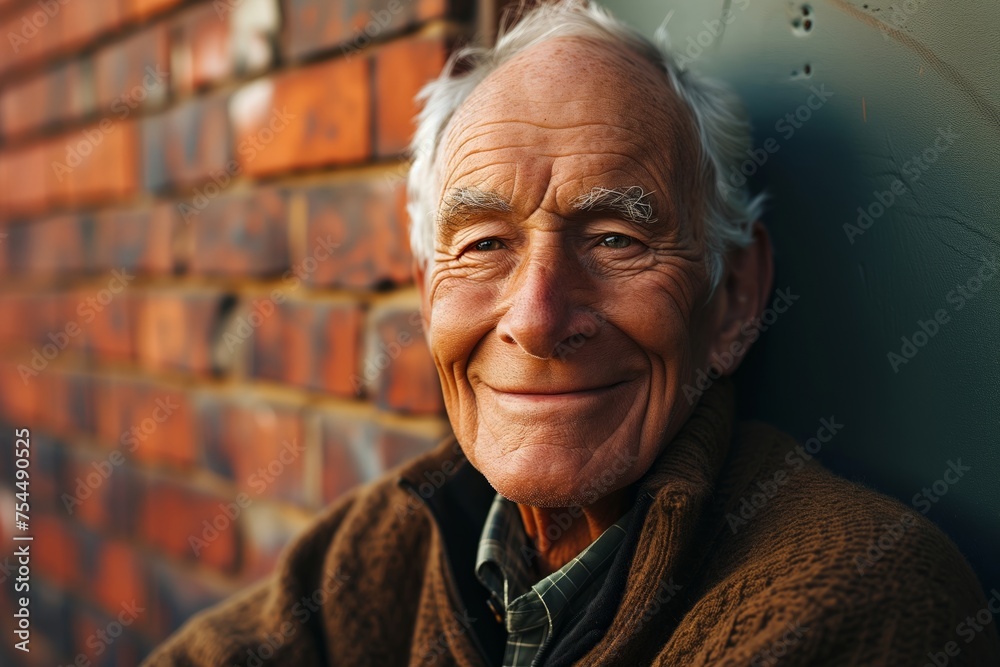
pixel 783 589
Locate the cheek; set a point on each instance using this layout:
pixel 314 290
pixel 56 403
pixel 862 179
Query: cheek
pixel 461 315
pixel 655 318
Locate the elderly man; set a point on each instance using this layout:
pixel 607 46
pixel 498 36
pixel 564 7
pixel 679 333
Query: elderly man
pixel 582 261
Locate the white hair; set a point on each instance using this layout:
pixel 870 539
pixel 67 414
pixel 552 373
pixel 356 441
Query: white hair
pixel 721 122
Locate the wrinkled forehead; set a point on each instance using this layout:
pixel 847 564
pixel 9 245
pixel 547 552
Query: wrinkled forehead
pixel 600 107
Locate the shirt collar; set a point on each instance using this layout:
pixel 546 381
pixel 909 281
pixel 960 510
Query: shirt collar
pixel 503 566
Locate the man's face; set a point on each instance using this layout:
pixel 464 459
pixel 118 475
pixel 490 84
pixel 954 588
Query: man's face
pixel 563 333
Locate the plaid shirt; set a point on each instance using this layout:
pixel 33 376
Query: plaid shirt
pixel 534 613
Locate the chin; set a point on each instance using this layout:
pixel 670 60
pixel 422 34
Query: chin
pixel 540 494
pixel 539 477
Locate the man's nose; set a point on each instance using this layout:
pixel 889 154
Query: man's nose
pixel 545 310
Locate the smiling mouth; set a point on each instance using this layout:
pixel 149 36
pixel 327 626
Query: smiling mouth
pixel 555 394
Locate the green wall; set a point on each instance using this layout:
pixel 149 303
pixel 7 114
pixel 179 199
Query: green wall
pixel 900 76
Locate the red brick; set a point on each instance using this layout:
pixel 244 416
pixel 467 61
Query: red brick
pixel 71 26
pixel 187 144
pixel 23 106
pixel 56 95
pixel 11 323
pixel 29 33
pixel 117 577
pixel 58 176
pixel 96 164
pixel 146 422
pixel 397 445
pixel 71 91
pixel 334 345
pixel 111 396
pixel 317 25
pixel 48 467
pixel 51 616
pixel 66 410
pixel 24 173
pixel 349 455
pixel 33 357
pixel 356 448
pixel 60 538
pixel 140 10
pixel 311 344
pixel 52 393
pixel 179 593
pixel 310 117
pixel 114 170
pixel 219 41
pixel 65 235
pixel 401 70
pixel 256 443
pixel 70 307
pixel 395 183
pixel 133 73
pixel 243 234
pixel 85 624
pixel 171 517
pixel 175 330
pixel 106 503
pixel 87 490
pixel 161 427
pixel 398 367
pixel 104 311
pixel 80 23
pixel 77 411
pixel 44 318
pixel 94 642
pixel 12 307
pixel 18 244
pixel 53 246
pixel 202 49
pixel 19 400
pixel 361 218
pixel 140 239
pixel 7 254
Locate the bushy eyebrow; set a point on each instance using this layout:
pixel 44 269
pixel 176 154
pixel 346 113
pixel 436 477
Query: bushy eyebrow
pixel 462 204
pixel 632 203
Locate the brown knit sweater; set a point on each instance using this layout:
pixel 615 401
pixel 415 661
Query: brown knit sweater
pixel 823 573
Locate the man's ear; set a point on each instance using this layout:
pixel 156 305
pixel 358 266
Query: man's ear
pixel 419 269
pixel 743 295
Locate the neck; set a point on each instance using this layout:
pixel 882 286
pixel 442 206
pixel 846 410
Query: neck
pixel 561 533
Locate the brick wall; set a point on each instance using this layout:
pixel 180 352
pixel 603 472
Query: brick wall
pixel 207 319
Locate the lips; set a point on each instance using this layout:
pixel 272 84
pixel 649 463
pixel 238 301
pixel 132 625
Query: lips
pixel 522 399
pixel 555 391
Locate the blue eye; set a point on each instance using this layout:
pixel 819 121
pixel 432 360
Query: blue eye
pixel 616 241
pixel 487 244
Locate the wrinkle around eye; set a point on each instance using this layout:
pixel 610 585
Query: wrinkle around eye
pixel 475 266
pixel 676 264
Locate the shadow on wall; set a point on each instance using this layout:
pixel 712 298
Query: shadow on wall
pixel 876 140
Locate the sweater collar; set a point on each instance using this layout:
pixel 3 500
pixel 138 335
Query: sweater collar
pixel 670 502
pixel 653 562
pixel 691 462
